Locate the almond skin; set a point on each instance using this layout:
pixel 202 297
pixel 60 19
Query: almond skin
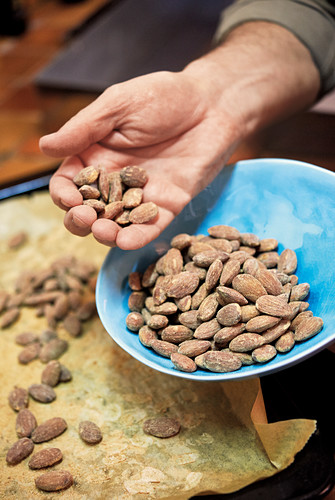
pixel 55 480
pixel 19 451
pixel 45 458
pixel 273 306
pixel 221 362
pixel 146 212
pixel 307 328
pixel 248 286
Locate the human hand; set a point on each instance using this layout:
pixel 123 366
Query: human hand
pixel 181 127
pixel 162 122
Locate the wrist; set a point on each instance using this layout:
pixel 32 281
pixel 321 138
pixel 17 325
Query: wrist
pixel 261 73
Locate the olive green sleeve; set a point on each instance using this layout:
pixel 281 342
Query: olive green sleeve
pixel 311 21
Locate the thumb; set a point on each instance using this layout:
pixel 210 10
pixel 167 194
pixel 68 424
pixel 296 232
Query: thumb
pixel 87 127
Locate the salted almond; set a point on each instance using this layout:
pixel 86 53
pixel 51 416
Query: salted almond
pixel 221 361
pixel 146 212
pixel 229 315
pixel 248 286
pixel 270 281
pixel 264 353
pixel 288 261
pixel 273 306
pixel 261 323
pixel 308 328
pixel 246 342
pixel 227 295
pixel 223 231
pixel 230 269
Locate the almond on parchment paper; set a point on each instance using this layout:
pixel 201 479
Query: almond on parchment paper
pixel 89 432
pixel 42 393
pixel 54 480
pixel 162 427
pixel 45 458
pixel 49 430
pixel 20 450
pixel 25 423
pixel 18 398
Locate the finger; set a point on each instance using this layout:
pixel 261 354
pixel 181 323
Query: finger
pixel 63 191
pixel 138 235
pixel 105 232
pixel 78 220
pixel 87 127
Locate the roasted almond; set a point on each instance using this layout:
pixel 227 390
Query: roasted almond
pixel 288 261
pixel 162 427
pixel 176 333
pixel 307 328
pixel 146 212
pixel 228 333
pixel 229 315
pixel 54 480
pixel 25 423
pixel 45 458
pixel 90 432
pixel 134 176
pixel 248 286
pixel 49 429
pixel 230 269
pixel 261 323
pixel 87 175
pixel 221 361
pixel 269 281
pixel 273 306
pixel 264 353
pixel 223 231
pixel 42 393
pixel 227 295
pixel 194 347
pixel 183 363
pixel 246 342
pixel 18 398
pixel 19 451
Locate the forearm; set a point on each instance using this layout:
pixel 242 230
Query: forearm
pixel 261 73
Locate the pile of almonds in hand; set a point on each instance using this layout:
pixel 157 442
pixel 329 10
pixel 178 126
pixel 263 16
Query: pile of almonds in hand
pixel 221 301
pixel 116 195
pixel 64 294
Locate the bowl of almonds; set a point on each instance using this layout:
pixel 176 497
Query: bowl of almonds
pixel 239 285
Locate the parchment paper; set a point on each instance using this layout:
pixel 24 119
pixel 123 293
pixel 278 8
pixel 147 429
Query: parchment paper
pixel 225 442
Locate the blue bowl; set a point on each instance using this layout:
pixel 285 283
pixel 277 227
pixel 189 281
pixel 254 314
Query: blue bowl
pixel 291 201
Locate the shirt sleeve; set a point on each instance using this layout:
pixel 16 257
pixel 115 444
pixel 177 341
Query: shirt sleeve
pixel 311 21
